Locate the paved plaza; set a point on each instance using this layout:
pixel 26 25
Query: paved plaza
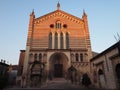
pixel 57 84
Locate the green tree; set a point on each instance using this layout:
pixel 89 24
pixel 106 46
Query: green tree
pixel 86 80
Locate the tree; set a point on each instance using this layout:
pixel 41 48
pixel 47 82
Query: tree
pixel 3 81
pixel 86 80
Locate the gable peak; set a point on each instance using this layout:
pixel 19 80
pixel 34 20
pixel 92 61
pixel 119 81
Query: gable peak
pixel 58 6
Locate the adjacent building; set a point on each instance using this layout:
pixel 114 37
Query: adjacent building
pixel 20 68
pixel 3 67
pixel 9 71
pixel 105 68
pixel 12 74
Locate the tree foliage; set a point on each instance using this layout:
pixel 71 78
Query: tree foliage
pixel 3 81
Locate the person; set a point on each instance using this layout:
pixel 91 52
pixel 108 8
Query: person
pixel 71 78
pixel 80 80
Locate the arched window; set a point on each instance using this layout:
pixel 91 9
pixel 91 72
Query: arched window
pixel 31 59
pixel 72 57
pixel 61 40
pixel 50 40
pixel 67 41
pixel 101 78
pixel 117 69
pixel 56 40
pixel 35 57
pixel 81 57
pixel 44 57
pixel 76 56
pixel 40 57
pixel 86 56
pixel 100 72
pixel 58 25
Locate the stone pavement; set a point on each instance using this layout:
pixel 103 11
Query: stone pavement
pixel 58 84
pixel 62 84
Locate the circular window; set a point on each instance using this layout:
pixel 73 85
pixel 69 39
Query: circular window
pixel 64 26
pixel 51 25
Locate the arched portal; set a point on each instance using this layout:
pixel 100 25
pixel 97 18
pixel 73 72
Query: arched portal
pixel 101 78
pixel 58 65
pixel 117 69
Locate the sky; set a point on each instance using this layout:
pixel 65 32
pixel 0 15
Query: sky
pixel 103 20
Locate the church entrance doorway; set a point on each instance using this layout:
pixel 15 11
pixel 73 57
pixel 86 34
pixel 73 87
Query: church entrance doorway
pixel 58 70
pixel 58 65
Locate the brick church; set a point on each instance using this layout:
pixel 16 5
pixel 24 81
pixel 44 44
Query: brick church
pixel 56 42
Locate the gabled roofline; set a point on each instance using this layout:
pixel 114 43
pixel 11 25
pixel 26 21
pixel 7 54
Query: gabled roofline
pixel 116 45
pixel 61 12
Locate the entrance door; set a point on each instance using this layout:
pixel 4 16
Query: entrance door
pixel 58 70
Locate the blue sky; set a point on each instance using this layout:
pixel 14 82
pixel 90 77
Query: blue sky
pixel 103 19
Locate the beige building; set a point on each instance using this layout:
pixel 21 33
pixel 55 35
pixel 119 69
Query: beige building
pixel 55 42
pixel 105 68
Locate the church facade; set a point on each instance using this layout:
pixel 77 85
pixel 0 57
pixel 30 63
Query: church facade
pixel 55 42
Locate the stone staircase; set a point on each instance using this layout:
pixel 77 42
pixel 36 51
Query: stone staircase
pixel 59 83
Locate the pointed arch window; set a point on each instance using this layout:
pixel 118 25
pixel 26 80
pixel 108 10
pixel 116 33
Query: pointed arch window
pixel 50 40
pixel 56 40
pixel 76 56
pixel 40 57
pixel 31 57
pixel 44 57
pixel 58 25
pixel 35 57
pixel 81 57
pixel 61 40
pixel 72 57
pixel 67 40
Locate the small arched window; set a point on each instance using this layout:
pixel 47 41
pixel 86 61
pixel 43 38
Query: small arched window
pixel 50 40
pixel 40 57
pixel 45 57
pixel 72 57
pixel 35 57
pixel 58 25
pixel 56 40
pixel 100 72
pixel 31 59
